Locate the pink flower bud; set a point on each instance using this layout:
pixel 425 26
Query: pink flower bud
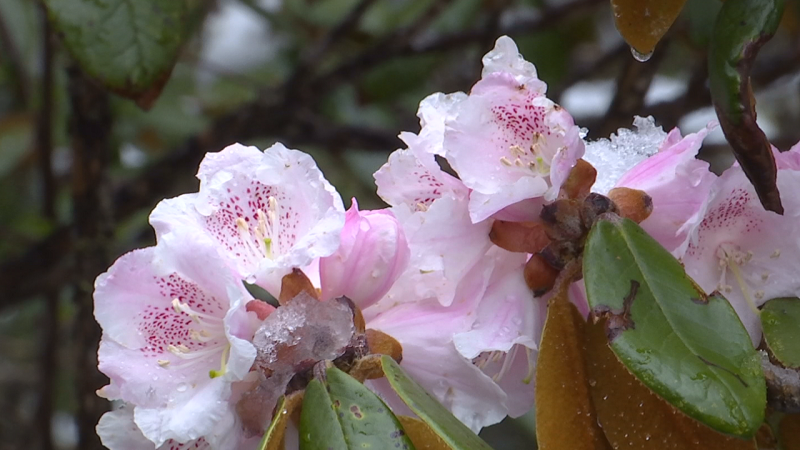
pixel 372 255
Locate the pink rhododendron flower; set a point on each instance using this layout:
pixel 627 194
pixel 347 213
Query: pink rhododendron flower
pixel 749 254
pixel 467 360
pixel 677 182
pixel 431 206
pixel 507 141
pixel 270 211
pixel 462 305
pixel 175 337
pixel 434 110
pixel 372 255
pixel 118 431
pixel 716 226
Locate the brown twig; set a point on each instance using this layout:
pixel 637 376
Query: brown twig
pixel 90 130
pixel 582 73
pixel 632 86
pixel 390 49
pixel 44 265
pixel 44 149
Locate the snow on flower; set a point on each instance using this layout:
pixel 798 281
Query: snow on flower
pixel 175 337
pixel 663 165
pixel 372 254
pixel 270 211
pixel 508 141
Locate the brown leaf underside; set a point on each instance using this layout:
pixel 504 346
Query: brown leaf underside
pixel 565 416
pixel 633 417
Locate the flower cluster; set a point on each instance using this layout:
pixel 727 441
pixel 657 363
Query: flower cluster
pixel 449 271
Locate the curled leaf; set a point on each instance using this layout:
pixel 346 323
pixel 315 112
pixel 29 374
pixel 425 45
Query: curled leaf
pixel 286 408
pixel 740 30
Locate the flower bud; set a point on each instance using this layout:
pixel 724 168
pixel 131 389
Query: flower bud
pixel 580 180
pixel 539 275
pixel 526 237
pixel 632 203
pixel 372 254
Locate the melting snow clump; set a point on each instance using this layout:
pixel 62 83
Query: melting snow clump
pixel 290 341
pixel 613 157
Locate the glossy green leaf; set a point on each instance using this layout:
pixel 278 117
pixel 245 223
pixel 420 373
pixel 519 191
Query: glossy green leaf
pixel 320 428
pixel 688 347
pixel 780 319
pixel 345 414
pixel 441 421
pixel 741 28
pixel 129 46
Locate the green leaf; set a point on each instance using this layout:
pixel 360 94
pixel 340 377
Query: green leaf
pixel 780 318
pixel 319 425
pixel 688 347
pixel 347 415
pixel 741 28
pixel 130 46
pixel 441 421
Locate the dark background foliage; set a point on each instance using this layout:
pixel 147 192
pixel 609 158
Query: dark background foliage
pixel 80 167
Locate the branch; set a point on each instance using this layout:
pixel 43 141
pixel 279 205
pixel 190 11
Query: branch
pixel 90 130
pixel 632 86
pixel 44 146
pixel 394 48
pixel 11 51
pixel 43 267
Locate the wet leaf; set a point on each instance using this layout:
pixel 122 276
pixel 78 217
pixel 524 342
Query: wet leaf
pixel 780 318
pixel 643 22
pixel 565 416
pixel 690 348
pixel 423 437
pixel 319 425
pixel 741 28
pixel 347 415
pixel 429 410
pixel 129 46
pixel 273 438
pixel 633 417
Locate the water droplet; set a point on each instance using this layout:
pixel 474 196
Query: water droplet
pixel 647 437
pixel 641 57
pixel 182 387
